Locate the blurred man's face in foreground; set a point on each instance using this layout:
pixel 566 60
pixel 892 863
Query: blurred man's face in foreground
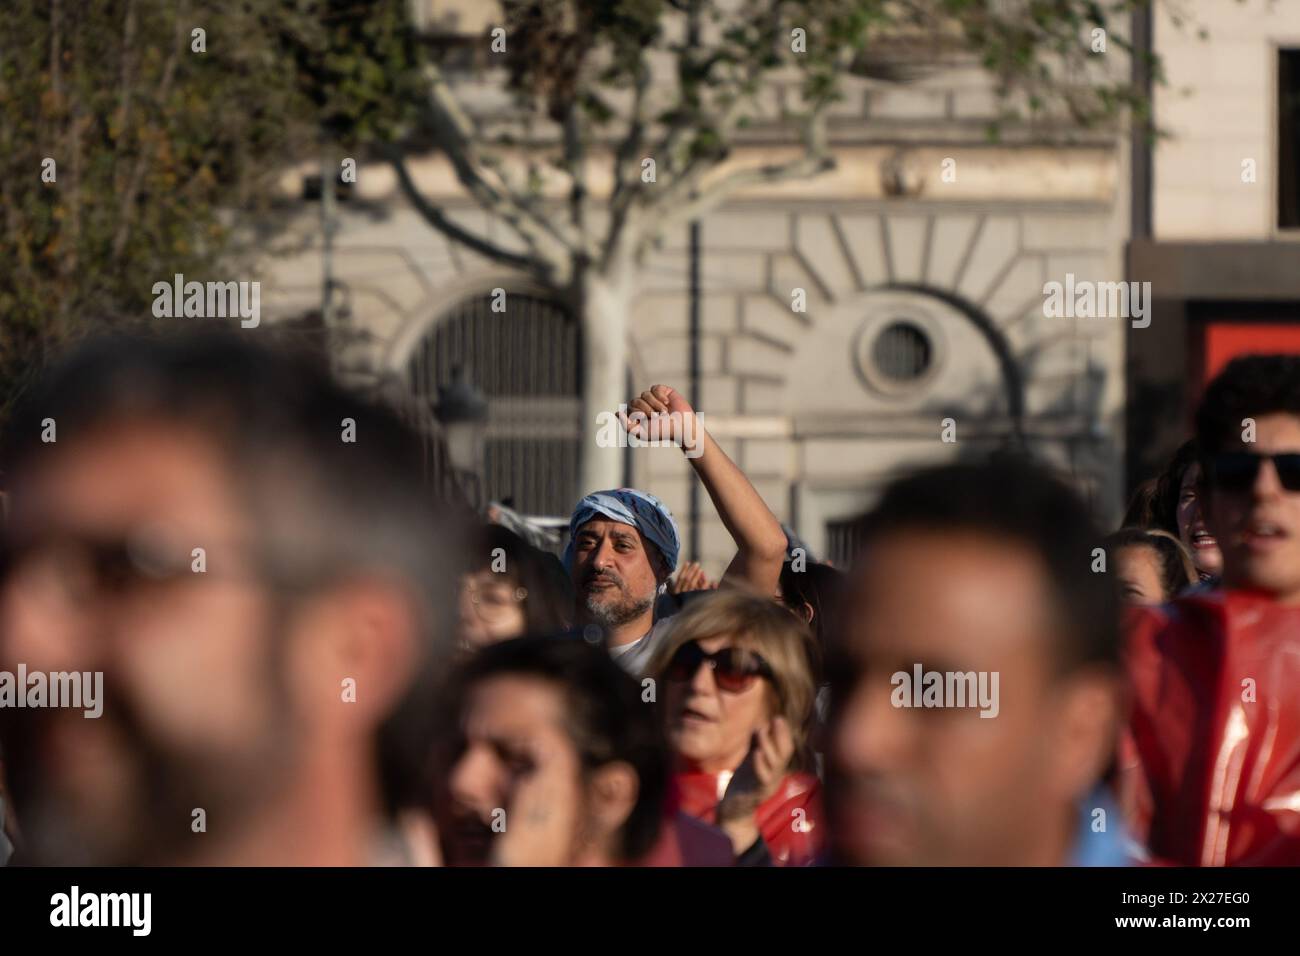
pixel 216 696
pixel 1257 521
pixel 518 794
pixel 103 580
pixel 944 785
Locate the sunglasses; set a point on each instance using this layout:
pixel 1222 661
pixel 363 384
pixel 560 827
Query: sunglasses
pixel 1236 471
pixel 734 668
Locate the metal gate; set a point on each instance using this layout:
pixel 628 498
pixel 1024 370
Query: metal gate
pixel 526 361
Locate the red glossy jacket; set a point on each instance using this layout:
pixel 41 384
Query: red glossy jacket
pixel 790 820
pixel 1210 765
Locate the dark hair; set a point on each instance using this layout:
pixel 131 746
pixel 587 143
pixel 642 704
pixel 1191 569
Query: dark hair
pixel 1169 488
pixel 1176 568
pixel 1140 511
pixel 1248 386
pixel 1012 499
pixel 548 603
pixel 819 586
pixel 323 507
pixel 606 717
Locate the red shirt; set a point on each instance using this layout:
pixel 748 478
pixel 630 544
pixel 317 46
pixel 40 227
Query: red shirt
pixel 790 820
pixel 1210 766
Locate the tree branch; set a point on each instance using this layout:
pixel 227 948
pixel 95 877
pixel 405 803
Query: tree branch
pixel 626 180
pixel 124 95
pixel 728 94
pixel 129 194
pixel 575 156
pixel 456 135
pixel 701 197
pixel 439 220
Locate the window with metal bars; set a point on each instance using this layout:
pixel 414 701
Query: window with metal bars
pixel 526 361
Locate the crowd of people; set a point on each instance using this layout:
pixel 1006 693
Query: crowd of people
pixel 308 659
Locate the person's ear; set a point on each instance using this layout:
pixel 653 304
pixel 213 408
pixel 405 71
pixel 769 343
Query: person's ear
pixel 612 794
pixel 807 613
pixel 1091 709
pixel 351 653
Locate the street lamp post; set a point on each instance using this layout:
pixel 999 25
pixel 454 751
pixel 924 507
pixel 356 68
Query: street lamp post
pixel 462 411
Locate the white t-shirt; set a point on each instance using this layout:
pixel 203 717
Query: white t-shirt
pixel 635 657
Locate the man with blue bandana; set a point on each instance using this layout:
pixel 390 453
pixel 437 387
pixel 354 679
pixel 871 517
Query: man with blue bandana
pixel 624 543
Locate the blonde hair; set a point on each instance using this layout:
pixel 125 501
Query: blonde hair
pixel 766 628
pixel 1184 556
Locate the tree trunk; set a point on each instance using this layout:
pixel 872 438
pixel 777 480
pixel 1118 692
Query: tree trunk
pixel 602 300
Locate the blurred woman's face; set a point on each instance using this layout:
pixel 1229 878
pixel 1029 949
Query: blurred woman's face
pixel 711 727
pixel 491 609
pixel 1191 526
pixel 1139 575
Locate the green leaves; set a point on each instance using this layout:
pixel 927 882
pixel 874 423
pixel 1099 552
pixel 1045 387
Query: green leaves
pixel 155 143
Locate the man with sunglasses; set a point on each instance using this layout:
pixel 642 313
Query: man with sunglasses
pixel 1214 740
pixel 264 598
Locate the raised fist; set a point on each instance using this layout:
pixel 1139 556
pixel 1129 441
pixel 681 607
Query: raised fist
pixel 662 414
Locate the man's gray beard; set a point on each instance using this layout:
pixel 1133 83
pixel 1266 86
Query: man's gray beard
pixel 616 615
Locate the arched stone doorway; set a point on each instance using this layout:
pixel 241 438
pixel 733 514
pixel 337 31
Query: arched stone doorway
pixel 519 346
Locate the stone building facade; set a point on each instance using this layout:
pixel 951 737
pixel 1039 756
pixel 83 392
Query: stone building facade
pixel 1217 219
pixel 920 263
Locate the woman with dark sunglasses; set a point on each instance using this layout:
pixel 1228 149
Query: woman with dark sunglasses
pixel 737 676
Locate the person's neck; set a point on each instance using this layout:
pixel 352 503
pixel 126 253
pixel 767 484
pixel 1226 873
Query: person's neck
pixel 1286 598
pixel 623 634
pixel 711 766
pixel 328 816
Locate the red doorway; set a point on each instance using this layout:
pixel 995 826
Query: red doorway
pixel 1224 341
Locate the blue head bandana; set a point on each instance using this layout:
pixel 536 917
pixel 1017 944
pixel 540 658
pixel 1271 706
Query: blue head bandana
pixel 644 512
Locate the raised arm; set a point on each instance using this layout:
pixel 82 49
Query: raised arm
pixel 760 542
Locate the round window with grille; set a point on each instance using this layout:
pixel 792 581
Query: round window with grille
pixel 900 349
pixel 902 353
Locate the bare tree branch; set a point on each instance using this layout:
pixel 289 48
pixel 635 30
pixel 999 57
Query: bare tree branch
pixel 132 189
pixel 124 97
pixel 727 93
pixel 575 158
pixel 693 196
pixel 627 183
pixel 128 63
pixel 723 189
pixel 439 220
pixel 56 70
pixel 456 135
